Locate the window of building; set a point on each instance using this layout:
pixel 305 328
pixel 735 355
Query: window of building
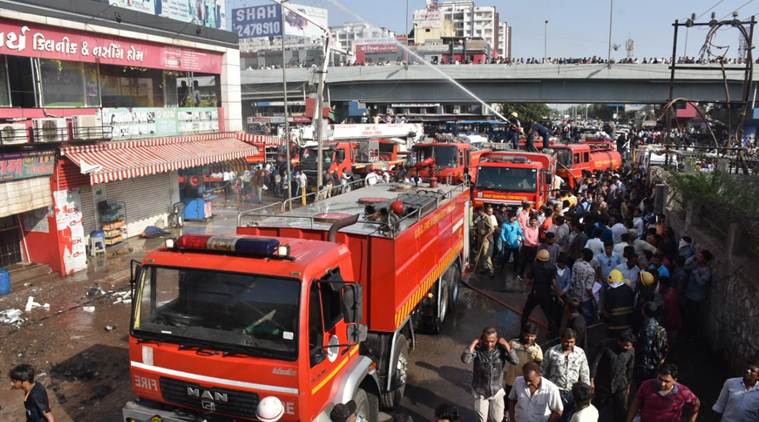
pixel 5 96
pixel 68 84
pixel 198 90
pixel 123 86
pixel 21 81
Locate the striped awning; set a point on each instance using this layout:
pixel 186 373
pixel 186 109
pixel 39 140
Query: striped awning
pixel 269 141
pixel 108 162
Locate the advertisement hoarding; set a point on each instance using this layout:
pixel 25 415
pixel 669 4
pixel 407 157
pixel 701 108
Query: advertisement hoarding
pixel 428 19
pixel 208 13
pixel 296 25
pixel 252 19
pixel 257 21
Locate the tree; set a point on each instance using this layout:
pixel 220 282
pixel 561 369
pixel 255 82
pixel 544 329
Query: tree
pixel 527 111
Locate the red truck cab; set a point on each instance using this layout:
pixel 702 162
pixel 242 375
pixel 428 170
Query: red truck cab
pixel 351 156
pixel 450 160
pixel 512 177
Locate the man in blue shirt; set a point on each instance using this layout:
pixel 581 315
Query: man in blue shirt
pixel 511 239
pixel 605 262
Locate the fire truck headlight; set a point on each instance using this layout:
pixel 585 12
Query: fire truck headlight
pixel 270 409
pixel 169 243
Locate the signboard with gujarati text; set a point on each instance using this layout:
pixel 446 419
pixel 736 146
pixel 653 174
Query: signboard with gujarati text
pixel 33 40
pixel 25 166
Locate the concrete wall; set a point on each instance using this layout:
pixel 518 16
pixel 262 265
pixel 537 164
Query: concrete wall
pixel 732 315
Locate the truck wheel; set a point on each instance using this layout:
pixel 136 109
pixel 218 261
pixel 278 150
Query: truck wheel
pixel 393 398
pixel 453 287
pixel 442 306
pixel 366 407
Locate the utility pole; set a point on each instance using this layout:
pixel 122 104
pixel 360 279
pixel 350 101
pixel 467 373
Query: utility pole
pixel 545 41
pixel 284 98
pixel 611 16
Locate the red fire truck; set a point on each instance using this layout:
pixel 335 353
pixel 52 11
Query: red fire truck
pixel 358 157
pixel 513 177
pixel 573 159
pixel 311 306
pixel 446 160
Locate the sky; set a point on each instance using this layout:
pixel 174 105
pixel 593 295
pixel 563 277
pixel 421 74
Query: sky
pixel 576 28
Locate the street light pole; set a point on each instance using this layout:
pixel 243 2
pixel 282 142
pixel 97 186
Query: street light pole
pixel 611 15
pixel 284 98
pixel 545 41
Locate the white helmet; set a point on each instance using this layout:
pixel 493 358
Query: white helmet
pixel 270 409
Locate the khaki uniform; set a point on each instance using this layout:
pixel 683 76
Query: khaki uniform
pixel 484 232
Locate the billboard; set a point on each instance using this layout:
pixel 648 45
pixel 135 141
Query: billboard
pixel 251 19
pixel 257 21
pixel 428 19
pixel 208 13
pixel 296 25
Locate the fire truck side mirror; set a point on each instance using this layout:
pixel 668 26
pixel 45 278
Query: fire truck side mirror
pixel 135 267
pixel 356 333
pixel 352 306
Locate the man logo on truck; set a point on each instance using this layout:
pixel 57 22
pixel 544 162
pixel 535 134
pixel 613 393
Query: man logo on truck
pixel 208 399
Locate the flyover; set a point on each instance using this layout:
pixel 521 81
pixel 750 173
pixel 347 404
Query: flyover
pixel 549 83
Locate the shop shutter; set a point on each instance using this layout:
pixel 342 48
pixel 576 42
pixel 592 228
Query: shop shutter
pixel 89 220
pixel 148 199
pixel 19 196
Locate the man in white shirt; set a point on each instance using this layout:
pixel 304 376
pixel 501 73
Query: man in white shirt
pixel 739 399
pixel 584 411
pixel 534 398
pixel 616 231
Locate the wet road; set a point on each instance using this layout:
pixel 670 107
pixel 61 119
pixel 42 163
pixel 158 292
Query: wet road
pixel 436 373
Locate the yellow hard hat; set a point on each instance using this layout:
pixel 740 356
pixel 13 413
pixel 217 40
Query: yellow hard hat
pixel 646 278
pixel 615 276
pixel 515 114
pixel 543 255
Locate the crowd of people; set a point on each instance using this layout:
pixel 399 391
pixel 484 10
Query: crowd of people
pixel 535 60
pixel 597 259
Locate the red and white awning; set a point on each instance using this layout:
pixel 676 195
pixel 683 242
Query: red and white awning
pixel 108 162
pixel 269 141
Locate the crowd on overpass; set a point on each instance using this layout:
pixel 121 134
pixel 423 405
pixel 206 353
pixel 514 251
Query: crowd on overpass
pixel 547 61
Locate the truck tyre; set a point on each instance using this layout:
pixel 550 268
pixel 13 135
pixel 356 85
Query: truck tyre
pixel 366 406
pixel 455 283
pixel 389 400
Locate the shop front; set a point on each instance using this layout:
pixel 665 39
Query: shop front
pixel 25 202
pixel 116 190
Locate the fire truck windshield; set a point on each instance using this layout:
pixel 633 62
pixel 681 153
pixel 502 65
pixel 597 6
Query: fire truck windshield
pixel 308 158
pixel 564 156
pixel 445 156
pixel 235 312
pixel 507 179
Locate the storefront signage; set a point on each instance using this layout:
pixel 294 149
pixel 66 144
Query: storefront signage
pixel 151 122
pixel 377 48
pixel 25 166
pixel 32 40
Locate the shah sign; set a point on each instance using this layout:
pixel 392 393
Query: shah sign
pixel 32 40
pixel 257 21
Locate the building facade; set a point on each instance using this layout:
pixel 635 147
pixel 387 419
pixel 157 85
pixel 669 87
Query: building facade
pixel 504 40
pixel 345 37
pixel 472 21
pixel 100 113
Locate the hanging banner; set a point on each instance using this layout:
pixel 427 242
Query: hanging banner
pixel 33 40
pixel 145 122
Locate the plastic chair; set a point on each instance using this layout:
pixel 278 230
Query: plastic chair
pixel 97 243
